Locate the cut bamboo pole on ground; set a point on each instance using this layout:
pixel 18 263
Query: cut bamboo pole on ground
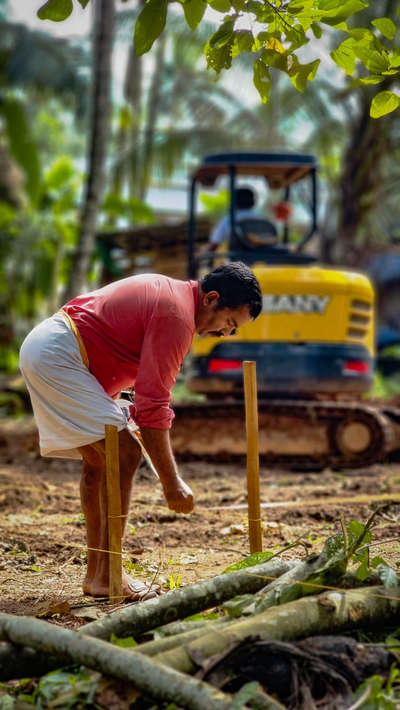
pixel 253 476
pixel 114 513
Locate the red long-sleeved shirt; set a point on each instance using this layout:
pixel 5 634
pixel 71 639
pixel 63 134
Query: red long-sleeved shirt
pixel 137 331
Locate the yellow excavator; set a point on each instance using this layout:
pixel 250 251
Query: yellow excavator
pixel 313 342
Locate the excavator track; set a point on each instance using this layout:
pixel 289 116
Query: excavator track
pixel 295 434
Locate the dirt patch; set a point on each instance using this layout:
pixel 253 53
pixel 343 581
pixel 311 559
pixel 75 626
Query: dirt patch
pixel 42 533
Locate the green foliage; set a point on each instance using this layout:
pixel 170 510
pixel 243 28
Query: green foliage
pixel 391 351
pixel 262 79
pixel 21 143
pixel 256 558
pixel 132 209
pixel 39 93
pixel 59 174
pixel 387 575
pixel 181 393
pixel 218 50
pixel 246 693
pixel 220 5
pixel 57 10
pixel 34 252
pixel 285 28
pixel 379 693
pixel 194 11
pixel 203 616
pixel 351 546
pixel 73 688
pixel 344 57
pixel 385 387
pixel 215 203
pixel 385 26
pixel 132 566
pixel 174 582
pixel 149 25
pixel 238 606
pixel 127 642
pixel 383 103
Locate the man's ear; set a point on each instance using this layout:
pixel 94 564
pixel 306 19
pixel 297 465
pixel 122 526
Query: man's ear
pixel 211 298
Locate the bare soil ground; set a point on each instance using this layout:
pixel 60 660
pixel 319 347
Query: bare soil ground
pixel 42 534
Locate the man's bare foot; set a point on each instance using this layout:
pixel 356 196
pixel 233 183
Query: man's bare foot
pixel 133 589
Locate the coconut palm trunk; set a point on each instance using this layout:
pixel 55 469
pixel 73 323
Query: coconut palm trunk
pixel 363 163
pixel 127 167
pixel 361 177
pixel 152 115
pixel 99 134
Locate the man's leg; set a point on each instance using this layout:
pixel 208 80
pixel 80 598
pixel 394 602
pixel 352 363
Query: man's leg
pixel 93 475
pixel 94 506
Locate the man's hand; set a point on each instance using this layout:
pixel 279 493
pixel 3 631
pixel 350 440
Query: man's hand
pixel 177 493
pixel 179 496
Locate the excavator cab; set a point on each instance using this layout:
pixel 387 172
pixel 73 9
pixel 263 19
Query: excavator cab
pixel 315 333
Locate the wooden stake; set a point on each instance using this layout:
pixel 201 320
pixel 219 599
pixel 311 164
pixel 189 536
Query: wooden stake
pixel 114 513
pixel 253 479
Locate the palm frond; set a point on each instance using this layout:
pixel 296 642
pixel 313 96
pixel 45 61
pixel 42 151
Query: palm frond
pixel 31 58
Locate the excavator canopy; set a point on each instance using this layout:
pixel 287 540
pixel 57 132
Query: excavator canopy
pixel 278 169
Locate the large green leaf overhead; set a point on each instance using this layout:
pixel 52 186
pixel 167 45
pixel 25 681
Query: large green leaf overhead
pixel 56 10
pixel 150 24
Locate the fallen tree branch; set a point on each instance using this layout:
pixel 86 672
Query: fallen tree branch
pixel 304 579
pixel 157 680
pixel 135 619
pixel 309 576
pixel 179 627
pixel 138 618
pixel 19 662
pixel 331 611
pixel 152 648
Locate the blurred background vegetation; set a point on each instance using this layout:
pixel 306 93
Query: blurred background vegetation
pixel 95 139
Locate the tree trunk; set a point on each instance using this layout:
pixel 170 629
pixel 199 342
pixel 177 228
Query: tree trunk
pixel 151 118
pixel 128 137
pixel 99 134
pixel 363 163
pixel 134 97
pixel 361 177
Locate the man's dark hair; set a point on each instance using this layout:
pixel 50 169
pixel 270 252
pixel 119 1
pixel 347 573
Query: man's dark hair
pixel 237 286
pixel 244 198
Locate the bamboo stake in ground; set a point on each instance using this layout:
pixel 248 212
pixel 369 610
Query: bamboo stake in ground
pixel 114 513
pixel 253 479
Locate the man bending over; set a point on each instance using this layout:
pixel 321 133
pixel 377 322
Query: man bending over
pixel 133 332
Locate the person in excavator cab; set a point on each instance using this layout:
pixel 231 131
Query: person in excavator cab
pixel 245 206
pixel 132 332
pixel 245 209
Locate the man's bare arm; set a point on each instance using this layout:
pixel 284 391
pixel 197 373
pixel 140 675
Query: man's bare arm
pixel 177 493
